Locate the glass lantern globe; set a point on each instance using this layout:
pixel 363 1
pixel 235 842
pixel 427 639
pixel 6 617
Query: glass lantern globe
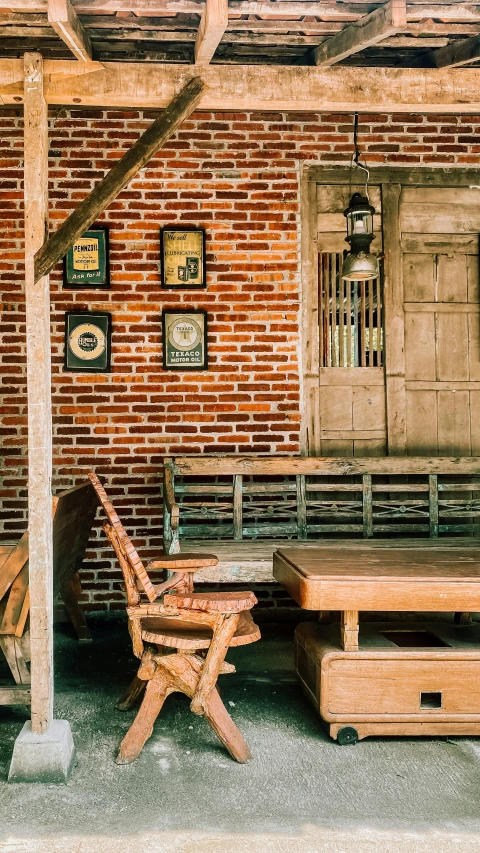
pixel 359 215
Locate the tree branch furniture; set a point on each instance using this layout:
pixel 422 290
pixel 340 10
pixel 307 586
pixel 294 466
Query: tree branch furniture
pixel 181 638
pixel 397 679
pixel 246 507
pixel 74 512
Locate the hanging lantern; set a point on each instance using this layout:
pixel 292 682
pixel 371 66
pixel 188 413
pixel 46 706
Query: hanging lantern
pixel 360 264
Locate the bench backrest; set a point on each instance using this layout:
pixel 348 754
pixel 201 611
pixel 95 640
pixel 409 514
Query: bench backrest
pixel 74 512
pixel 242 497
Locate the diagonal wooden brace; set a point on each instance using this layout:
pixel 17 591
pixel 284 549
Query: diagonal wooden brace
pixel 118 177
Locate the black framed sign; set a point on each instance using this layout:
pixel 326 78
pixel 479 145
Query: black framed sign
pixel 185 340
pixel 86 264
pixel 88 341
pixel 182 254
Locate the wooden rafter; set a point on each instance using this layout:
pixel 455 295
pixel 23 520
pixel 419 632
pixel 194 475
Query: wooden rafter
pixel 213 24
pixel 385 21
pixel 459 53
pixel 65 21
pixel 239 87
pixel 118 177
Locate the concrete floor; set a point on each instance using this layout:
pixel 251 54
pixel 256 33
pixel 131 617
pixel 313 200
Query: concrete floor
pixel 302 793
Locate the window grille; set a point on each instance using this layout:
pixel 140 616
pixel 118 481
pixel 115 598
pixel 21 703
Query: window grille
pixel 350 317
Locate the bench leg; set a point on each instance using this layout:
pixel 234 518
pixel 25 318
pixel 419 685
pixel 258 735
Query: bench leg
pixel 15 659
pixel 70 594
pixel 349 630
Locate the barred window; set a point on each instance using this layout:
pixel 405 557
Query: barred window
pixel 350 317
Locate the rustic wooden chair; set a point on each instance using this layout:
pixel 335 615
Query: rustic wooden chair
pixel 180 636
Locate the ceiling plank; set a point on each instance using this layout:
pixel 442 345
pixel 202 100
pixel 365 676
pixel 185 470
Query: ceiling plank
pixel 64 20
pixel 213 24
pixel 384 22
pixel 57 245
pixel 459 53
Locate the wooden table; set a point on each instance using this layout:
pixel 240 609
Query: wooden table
pixel 398 678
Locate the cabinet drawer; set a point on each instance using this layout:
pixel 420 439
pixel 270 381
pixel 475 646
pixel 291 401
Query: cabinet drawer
pixel 403 686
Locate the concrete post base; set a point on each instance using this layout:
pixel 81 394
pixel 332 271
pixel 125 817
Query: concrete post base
pixel 46 757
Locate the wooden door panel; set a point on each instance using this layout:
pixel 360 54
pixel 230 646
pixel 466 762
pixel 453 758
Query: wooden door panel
pixel 420 362
pixel 418 277
pixel 451 278
pixel 368 410
pixel 336 405
pixel 475 422
pixel 454 423
pixel 473 288
pixel 473 320
pixel 422 423
pixel 452 346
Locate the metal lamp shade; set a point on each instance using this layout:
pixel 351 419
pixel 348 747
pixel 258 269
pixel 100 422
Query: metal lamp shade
pixel 360 267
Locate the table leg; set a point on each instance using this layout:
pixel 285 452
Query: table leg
pixel 349 630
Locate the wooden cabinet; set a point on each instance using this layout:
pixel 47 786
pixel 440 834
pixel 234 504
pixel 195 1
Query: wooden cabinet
pixel 431 686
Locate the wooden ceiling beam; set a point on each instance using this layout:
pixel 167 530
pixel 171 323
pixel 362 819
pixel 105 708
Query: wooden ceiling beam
pixel 329 10
pixel 257 87
pixel 56 246
pixel 379 25
pixel 213 24
pixel 65 21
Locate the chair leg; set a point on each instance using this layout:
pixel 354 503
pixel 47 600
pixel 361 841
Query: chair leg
pixel 222 724
pixel 132 693
pixel 156 692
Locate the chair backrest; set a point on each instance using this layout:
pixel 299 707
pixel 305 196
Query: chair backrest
pixel 129 576
pixel 124 543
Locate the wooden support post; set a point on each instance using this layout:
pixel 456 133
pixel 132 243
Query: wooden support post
pixel 394 322
pixel 64 20
pixel 349 630
pixel 213 24
pixel 37 299
pixel 118 177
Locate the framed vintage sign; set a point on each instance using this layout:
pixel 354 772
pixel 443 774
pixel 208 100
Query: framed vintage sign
pixel 182 253
pixel 86 264
pixel 185 340
pixel 88 341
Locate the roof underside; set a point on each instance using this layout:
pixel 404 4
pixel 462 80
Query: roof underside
pixel 164 31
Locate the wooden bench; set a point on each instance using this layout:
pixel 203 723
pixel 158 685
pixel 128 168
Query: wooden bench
pixel 243 508
pixel 74 512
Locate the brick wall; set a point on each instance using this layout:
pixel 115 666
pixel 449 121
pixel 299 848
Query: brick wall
pixel 238 176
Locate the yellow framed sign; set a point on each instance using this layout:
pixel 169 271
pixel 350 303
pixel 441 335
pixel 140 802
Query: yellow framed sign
pixel 86 263
pixel 182 253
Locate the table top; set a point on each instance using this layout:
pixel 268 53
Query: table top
pixel 414 565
